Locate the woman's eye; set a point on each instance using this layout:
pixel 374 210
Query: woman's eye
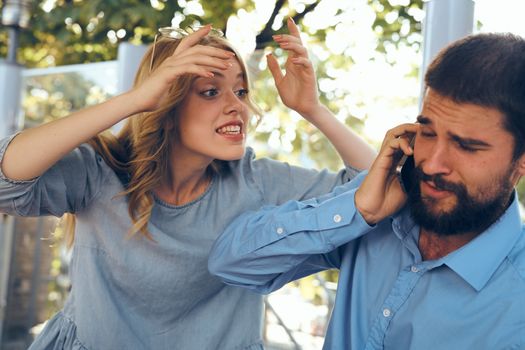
pixel 210 92
pixel 242 93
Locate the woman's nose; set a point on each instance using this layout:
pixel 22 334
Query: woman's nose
pixel 233 103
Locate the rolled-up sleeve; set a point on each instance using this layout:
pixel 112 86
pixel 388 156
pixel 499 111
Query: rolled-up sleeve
pixel 67 186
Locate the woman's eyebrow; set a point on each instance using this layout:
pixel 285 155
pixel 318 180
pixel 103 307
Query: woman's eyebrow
pixel 220 75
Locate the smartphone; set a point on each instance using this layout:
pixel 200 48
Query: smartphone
pixel 404 169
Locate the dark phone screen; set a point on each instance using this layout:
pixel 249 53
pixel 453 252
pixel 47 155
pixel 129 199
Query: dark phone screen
pixel 406 171
pixel 404 168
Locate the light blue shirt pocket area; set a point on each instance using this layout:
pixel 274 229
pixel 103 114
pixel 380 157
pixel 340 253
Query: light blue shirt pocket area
pixel 387 297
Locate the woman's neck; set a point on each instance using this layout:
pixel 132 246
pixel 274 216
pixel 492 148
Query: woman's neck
pixel 185 182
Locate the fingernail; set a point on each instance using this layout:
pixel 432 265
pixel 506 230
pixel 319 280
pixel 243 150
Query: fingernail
pixel 291 19
pixel 277 36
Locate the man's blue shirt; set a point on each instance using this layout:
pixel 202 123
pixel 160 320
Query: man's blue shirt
pixel 387 297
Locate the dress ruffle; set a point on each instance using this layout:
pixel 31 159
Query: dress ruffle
pixel 58 334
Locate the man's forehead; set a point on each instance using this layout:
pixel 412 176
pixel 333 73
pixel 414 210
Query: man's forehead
pixel 438 109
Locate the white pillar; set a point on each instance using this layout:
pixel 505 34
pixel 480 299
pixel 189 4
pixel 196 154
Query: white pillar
pixel 445 21
pixel 6 252
pixel 128 58
pixel 10 97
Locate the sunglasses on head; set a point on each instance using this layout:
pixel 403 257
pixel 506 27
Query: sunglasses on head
pixel 178 34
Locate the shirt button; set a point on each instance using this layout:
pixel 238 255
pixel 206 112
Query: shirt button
pixel 387 312
pixel 337 218
pixel 414 269
pixel 280 230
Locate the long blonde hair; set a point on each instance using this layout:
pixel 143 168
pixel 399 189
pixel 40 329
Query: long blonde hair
pixel 140 153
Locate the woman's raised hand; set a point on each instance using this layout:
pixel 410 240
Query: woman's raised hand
pixel 188 58
pixel 298 86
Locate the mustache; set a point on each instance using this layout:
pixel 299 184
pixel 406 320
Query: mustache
pixel 439 182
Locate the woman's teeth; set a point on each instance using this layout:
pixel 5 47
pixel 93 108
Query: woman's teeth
pixel 229 130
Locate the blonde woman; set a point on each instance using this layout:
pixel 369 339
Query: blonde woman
pixel 150 201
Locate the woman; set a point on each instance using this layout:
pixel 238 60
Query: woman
pixel 150 202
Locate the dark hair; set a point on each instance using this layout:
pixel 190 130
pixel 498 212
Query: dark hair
pixel 487 70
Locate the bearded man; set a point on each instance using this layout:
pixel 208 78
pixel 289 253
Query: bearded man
pixel 441 266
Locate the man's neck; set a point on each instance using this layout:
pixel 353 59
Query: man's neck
pixel 433 246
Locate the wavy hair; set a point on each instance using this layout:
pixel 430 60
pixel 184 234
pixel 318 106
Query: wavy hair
pixel 140 153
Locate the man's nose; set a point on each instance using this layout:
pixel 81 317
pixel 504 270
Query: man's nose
pixel 438 160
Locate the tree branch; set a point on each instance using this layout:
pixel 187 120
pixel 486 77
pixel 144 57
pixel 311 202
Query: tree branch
pixel 299 16
pixel 265 36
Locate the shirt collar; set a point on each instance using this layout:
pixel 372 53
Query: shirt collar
pixel 476 261
pixel 407 231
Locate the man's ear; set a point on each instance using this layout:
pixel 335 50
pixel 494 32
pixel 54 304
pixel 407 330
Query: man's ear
pixel 520 168
pixel 521 165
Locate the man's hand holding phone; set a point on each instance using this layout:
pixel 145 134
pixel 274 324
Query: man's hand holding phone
pixel 381 193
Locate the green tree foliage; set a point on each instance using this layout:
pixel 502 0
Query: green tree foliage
pixel 395 24
pixel 68 32
pixel 77 31
pixel 54 96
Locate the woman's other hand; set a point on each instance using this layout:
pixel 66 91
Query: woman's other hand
pixel 298 85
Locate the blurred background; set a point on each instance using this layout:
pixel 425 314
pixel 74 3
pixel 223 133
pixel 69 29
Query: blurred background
pixel 57 56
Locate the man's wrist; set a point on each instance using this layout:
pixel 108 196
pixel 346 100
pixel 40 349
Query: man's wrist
pixel 368 216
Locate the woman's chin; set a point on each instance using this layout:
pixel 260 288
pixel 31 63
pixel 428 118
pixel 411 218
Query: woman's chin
pixel 233 155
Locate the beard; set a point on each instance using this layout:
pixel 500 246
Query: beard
pixel 469 214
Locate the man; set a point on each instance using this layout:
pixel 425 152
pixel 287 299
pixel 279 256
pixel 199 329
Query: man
pixel 442 267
